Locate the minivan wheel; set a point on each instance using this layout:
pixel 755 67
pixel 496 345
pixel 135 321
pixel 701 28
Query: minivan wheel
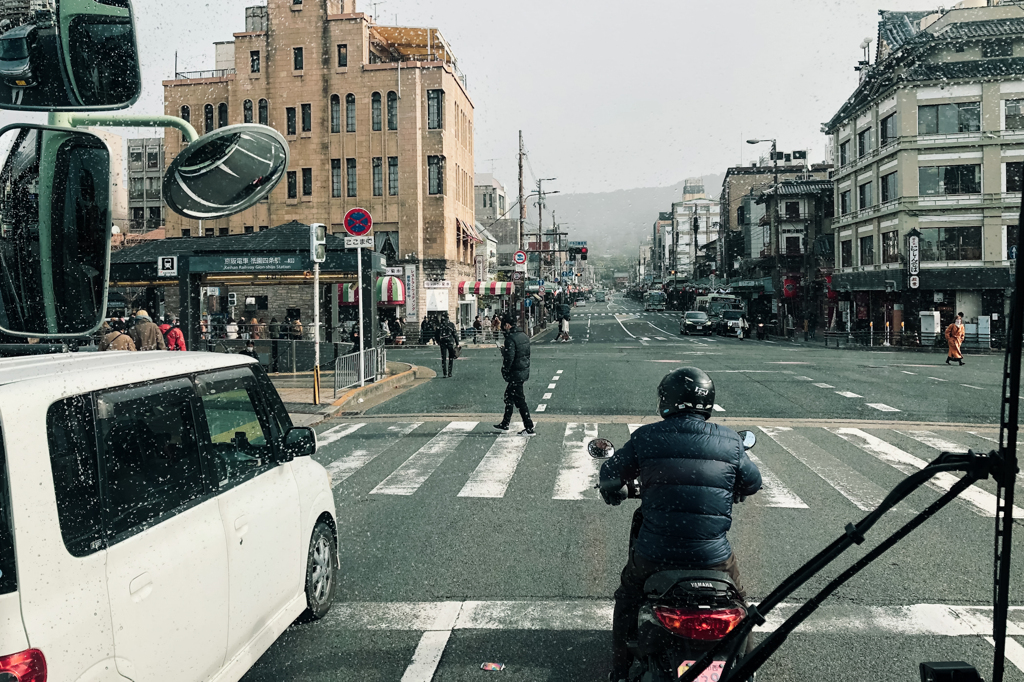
pixel 320 573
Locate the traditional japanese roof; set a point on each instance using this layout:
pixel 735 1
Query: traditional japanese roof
pixel 796 188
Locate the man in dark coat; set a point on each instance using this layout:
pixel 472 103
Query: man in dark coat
pixel 515 369
pixel 690 470
pixel 447 337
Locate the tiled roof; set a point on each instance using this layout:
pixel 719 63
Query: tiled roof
pixel 797 188
pixel 897 29
pixel 974 68
pixel 982 29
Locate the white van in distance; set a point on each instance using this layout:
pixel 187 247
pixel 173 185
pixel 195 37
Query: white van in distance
pixel 160 518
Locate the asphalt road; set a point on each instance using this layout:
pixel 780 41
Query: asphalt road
pixel 460 546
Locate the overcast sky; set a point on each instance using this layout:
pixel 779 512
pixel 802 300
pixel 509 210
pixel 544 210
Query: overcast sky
pixel 609 95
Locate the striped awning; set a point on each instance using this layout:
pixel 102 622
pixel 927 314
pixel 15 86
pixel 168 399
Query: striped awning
pixel 487 288
pixel 389 291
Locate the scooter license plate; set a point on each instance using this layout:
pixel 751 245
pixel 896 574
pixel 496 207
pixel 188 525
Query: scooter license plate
pixel 712 673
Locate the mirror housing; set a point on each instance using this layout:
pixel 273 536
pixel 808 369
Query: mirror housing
pixel 55 193
pixel 81 56
pixel 749 439
pixel 226 171
pixel 300 441
pixel 601 448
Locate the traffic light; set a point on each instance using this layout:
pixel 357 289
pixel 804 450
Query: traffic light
pixel 318 242
pixel 583 253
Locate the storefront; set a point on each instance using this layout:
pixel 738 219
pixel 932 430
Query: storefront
pixel 475 297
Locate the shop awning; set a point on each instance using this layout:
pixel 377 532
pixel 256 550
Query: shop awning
pixel 487 288
pixel 389 291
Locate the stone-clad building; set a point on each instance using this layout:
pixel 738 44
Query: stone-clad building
pixel 932 141
pixel 376 117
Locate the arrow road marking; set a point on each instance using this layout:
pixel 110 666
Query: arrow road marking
pixel 578 473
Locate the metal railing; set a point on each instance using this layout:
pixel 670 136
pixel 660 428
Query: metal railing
pixel 346 368
pixel 911 339
pixel 213 73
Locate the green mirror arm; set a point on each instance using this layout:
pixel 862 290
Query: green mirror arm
pixel 115 121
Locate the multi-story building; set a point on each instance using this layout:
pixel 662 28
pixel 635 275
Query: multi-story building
pixel 661 242
pixel 145 183
pixel 492 207
pixel 695 223
pixel 931 143
pixel 377 117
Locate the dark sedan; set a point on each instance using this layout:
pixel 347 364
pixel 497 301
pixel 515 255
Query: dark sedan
pixel 695 322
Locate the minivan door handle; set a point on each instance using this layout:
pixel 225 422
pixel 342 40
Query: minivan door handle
pixel 242 524
pixel 141 587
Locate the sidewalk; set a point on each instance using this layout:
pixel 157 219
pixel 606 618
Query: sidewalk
pixel 841 342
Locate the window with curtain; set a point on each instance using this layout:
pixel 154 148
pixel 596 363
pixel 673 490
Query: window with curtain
pixel 264 111
pixel 889 189
pixel 863 142
pixel 950 243
pixel 350 172
pixel 247 111
pixel 375 110
pixel 254 61
pixel 891 247
pixel 1015 114
pixel 944 119
pixel 335 114
pixel 887 129
pixel 378 176
pixel 208 118
pixel 865 196
pixel 350 113
pixel 222 115
pixel 393 176
pixel 342 55
pixel 392 110
pixel 867 250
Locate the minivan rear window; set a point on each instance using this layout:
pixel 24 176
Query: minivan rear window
pixel 8 572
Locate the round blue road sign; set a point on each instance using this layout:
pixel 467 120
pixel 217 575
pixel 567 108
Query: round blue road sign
pixel 358 222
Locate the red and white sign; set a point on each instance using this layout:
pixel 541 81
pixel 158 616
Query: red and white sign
pixel 519 258
pixel 358 222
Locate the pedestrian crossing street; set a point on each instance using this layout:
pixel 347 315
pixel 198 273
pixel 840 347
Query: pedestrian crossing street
pixel 858 465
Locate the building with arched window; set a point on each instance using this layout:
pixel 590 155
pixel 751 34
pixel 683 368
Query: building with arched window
pixel 385 124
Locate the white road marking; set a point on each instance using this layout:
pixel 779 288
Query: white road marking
pixel 559 371
pixel 911 373
pixel 850 483
pixel 847 394
pixel 406 479
pixel 804 378
pixel 493 474
pixel 660 338
pixel 547 396
pixel 624 327
pixel 1014 652
pixel 542 407
pixel 718 408
pixel 988 438
pixel 882 407
pixel 773 492
pixel 556 377
pixel 577 475
pixel 938 379
pixel 644 338
pixel 981 501
pixel 976 388
pixel 432 644
pixel 933 440
pixel 552 385
pixel 824 385
pixel 342 468
pixel 337 433
pixel 633 427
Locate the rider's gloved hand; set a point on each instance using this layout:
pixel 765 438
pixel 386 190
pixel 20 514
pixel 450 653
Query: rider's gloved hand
pixel 613 493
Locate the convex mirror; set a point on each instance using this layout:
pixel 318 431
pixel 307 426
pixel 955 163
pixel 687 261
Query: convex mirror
pixel 226 171
pixel 68 55
pixel 601 448
pixel 749 439
pixel 54 231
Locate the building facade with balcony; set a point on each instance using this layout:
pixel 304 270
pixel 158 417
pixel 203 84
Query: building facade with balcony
pixel 376 117
pixel 695 224
pixel 931 141
pixel 145 184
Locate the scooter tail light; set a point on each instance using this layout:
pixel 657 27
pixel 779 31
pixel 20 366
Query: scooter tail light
pixel 25 666
pixel 702 624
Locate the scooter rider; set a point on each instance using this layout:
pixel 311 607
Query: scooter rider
pixel 689 471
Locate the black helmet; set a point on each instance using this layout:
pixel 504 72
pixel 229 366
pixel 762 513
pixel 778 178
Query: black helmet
pixel 686 389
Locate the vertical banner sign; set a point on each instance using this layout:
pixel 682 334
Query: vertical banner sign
pixel 914 260
pixel 411 294
pixel 481 269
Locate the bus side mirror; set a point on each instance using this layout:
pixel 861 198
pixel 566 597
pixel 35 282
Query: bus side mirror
pixel 55 230
pixel 68 55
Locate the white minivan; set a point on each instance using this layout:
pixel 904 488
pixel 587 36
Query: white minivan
pixel 160 518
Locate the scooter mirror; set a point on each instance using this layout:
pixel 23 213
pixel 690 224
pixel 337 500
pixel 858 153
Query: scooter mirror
pixel 226 171
pixel 601 448
pixel 54 231
pixel 749 439
pixel 68 55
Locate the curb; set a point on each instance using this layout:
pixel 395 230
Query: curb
pixel 391 383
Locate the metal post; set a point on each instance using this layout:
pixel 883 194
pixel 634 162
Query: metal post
pixel 359 275
pixel 316 333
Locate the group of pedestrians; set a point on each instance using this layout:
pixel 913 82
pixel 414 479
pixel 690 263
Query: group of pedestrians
pixel 140 333
pixel 254 329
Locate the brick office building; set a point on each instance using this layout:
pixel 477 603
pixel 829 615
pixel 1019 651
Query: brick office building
pixel 376 117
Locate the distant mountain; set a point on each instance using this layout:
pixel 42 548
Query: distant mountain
pixel 615 223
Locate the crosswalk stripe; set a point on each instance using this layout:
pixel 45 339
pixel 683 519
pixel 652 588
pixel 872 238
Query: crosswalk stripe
pixel 851 484
pixel 577 475
pixel 342 468
pixel 407 479
pixel 493 474
pixel 983 502
pixel 933 440
pixel 633 427
pixel 848 394
pixel 337 433
pixel 882 407
pixel 718 408
pixel 773 492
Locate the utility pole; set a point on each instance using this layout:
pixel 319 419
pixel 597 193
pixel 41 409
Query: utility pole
pixel 522 194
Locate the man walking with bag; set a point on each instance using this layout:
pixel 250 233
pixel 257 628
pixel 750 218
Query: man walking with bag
pixel 515 369
pixel 447 337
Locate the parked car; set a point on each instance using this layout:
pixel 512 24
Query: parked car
pixel 160 517
pixel 695 322
pixel 729 322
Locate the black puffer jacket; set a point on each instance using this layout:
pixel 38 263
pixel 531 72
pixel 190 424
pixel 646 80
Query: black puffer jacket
pixel 515 366
pixel 689 470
